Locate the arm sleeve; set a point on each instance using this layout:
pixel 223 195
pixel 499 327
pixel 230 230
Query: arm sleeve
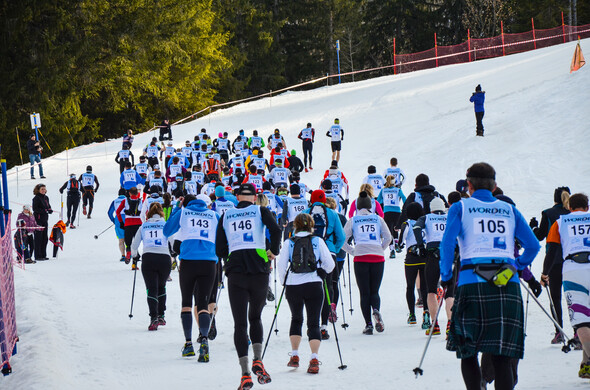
pixel 110 212
pixel 62 188
pixel 339 236
pixel 529 242
pixel 117 158
pixel 542 231
pixel 420 223
pixel 132 158
pixel 449 240
pixel 379 209
pixel 403 232
pixel 135 243
pixel 352 209
pixel 385 234
pixel 401 195
pixel 119 209
pixel 553 256
pixel 285 213
pixel 273 229
pixel 283 262
pixel 327 261
pixel 347 234
pixel 380 197
pixel 97 184
pixel 221 245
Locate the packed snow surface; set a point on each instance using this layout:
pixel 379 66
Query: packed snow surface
pixel 73 323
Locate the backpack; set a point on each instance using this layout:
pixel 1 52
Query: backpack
pixel 74 185
pixel 320 220
pixel 303 259
pixel 134 207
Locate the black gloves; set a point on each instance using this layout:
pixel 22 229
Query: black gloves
pixel 122 225
pixel 446 283
pixel 535 287
pixel 421 250
pixel 533 223
pixel 322 273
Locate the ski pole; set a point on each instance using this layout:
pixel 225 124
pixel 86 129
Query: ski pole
pixel 349 284
pixel 418 370
pixel 275 272
pixel 218 294
pixel 567 344
pixel 110 226
pixel 553 310
pixel 133 291
pixel 344 324
pixel 342 365
pixel 526 312
pixel 61 211
pixel 344 279
pixel 276 313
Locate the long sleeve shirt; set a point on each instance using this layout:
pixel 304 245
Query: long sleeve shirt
pixel 522 232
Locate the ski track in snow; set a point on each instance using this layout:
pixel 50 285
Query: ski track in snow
pixel 72 313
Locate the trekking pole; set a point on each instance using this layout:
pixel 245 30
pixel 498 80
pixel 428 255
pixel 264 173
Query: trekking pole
pixel 418 370
pixel 96 235
pixel 342 365
pixel 218 294
pixel 567 344
pixel 349 284
pixel 553 310
pixel 276 312
pixel 344 324
pixel 133 292
pixel 275 272
pixel 343 279
pixel 526 312
pixel 61 211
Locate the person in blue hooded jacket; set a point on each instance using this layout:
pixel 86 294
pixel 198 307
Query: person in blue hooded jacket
pixel 196 226
pixel 488 312
pixel 130 178
pixel 119 232
pixel 478 98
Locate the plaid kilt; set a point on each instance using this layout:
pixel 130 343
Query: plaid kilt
pixel 487 318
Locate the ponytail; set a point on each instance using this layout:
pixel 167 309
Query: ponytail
pixel 565 199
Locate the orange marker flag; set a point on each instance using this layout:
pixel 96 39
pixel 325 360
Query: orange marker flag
pixel 578 61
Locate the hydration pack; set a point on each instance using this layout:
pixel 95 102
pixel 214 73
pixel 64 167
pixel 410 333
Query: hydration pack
pixel 303 259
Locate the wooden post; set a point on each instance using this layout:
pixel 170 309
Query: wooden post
pixel 502 28
pixel 534 36
pixel 469 44
pixel 435 50
pixel 562 27
pixel 394 56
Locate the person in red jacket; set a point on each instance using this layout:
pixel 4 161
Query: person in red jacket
pixel 131 207
pixel 279 151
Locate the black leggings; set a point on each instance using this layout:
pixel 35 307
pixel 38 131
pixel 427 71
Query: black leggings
pixel 391 218
pixel 72 203
pixel 331 292
pixel 555 281
pixel 155 269
pixel 503 369
pixel 196 277
pixel 130 231
pixel 368 279
pixel 411 272
pixel 216 282
pixel 310 295
pixel 431 273
pixel 479 122
pixel 88 199
pixel 41 239
pixel 247 297
pixel 335 280
pixel 307 149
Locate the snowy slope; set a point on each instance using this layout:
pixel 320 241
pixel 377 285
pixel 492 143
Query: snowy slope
pixel 73 312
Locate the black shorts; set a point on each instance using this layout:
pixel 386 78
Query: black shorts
pixel 432 272
pixel 336 146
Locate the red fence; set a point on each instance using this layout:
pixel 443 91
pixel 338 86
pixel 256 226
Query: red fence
pixel 8 335
pixel 477 49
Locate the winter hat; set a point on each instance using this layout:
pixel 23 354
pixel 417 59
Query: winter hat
pixel 295 189
pixel 336 121
pixel 242 132
pixel 293 152
pixel 247 189
pixel 363 201
pixel 277 131
pixel 26 207
pixel 282 190
pixel 266 186
pixel 308 124
pixel 436 204
pixel 255 132
pixel 318 196
pixel 461 185
pixel 204 198
pixel 219 192
pixel 415 210
pixel 327 184
pixel 422 180
pixel 220 135
pixel 478 88
pixel 89 168
pixel 278 161
pixel 371 169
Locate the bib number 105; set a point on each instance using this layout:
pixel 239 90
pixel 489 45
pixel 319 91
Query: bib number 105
pixel 491 226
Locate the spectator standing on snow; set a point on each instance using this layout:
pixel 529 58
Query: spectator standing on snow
pixel 477 98
pixel 41 210
pixel 34 150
